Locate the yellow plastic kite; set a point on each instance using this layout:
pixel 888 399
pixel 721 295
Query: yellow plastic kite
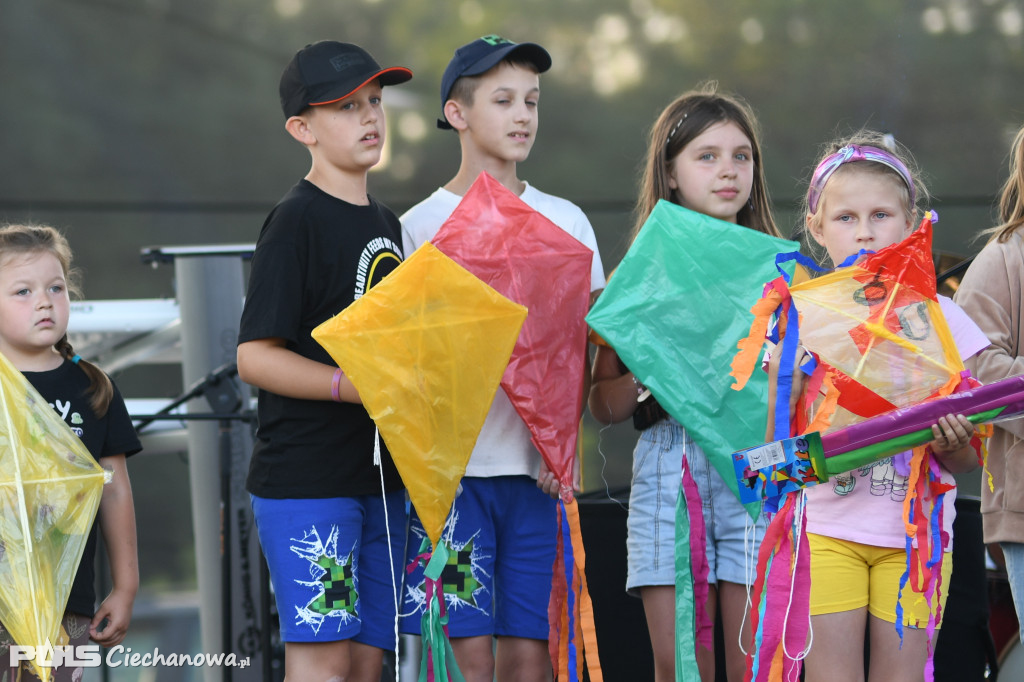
pixel 426 349
pixel 50 489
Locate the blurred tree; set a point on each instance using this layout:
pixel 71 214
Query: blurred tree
pixel 138 122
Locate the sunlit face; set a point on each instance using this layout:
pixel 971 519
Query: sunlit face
pixel 350 132
pixel 714 172
pixel 34 309
pixel 859 210
pixel 501 123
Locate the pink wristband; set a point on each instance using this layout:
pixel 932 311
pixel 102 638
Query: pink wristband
pixel 336 385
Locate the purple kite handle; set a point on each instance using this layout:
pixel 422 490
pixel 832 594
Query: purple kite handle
pixel 1007 394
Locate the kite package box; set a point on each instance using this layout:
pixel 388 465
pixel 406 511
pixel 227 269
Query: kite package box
pixel 780 467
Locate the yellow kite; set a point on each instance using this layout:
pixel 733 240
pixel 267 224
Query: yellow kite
pixel 50 489
pixel 426 349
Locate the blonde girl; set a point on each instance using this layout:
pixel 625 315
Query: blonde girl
pixel 863 197
pixel 35 280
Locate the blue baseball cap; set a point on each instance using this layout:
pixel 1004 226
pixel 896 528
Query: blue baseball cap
pixel 479 56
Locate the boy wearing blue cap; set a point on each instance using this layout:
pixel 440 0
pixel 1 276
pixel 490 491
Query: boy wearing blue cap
pixel 502 529
pixel 321 514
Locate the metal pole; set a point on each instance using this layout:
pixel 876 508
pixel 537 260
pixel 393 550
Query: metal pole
pixel 210 289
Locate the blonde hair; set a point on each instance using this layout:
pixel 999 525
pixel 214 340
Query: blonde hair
pixel 1011 209
pixel 681 121
pixel 869 138
pixel 23 240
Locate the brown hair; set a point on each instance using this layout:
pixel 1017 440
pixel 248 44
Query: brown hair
pixel 1011 210
pixel 21 240
pixel 464 87
pixel 685 118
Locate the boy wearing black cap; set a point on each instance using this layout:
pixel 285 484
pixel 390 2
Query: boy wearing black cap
pixel 503 535
pixel 316 493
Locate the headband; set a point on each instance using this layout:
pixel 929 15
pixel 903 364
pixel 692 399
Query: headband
pixel 849 154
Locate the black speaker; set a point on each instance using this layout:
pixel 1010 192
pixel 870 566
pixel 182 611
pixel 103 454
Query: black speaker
pixel 622 639
pixel 963 646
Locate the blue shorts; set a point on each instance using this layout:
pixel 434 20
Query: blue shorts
pixel 328 561
pixel 501 537
pixel 732 536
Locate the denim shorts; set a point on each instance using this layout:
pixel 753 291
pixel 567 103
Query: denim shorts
pixel 329 565
pixel 1013 554
pixel 732 536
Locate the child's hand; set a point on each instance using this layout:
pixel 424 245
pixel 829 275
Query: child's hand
pixel 952 443
pixel 116 610
pixel 952 433
pixel 547 481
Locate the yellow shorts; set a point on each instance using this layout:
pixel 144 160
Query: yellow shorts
pixel 848 575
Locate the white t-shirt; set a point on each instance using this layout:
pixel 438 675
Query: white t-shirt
pixel 503 447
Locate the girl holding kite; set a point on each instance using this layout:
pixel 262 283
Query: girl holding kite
pixel 992 292
pixel 35 278
pixel 863 197
pixel 704 154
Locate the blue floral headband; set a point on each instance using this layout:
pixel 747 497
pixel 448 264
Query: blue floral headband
pixel 849 154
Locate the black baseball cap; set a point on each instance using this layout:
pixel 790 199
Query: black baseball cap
pixel 479 56
pixel 327 71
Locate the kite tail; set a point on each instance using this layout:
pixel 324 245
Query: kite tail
pixel 572 636
pixel 775 299
pixel 780 615
pixel 979 442
pixel 693 624
pixel 924 543
pixel 823 417
pixel 438 659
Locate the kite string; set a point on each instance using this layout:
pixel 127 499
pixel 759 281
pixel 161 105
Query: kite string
pixel 800 509
pixel 387 534
pixel 604 464
pixel 750 546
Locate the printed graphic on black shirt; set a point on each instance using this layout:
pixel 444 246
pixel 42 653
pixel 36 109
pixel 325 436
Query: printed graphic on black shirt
pixel 72 419
pixel 379 258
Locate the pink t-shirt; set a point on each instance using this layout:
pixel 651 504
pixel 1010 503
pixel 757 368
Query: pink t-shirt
pixel 866 505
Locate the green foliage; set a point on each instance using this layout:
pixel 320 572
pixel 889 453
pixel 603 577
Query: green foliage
pixel 132 123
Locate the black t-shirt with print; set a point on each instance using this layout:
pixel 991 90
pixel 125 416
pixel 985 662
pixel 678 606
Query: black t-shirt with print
pixel 67 390
pixel 315 255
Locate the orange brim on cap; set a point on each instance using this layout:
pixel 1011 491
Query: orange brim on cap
pixel 390 76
